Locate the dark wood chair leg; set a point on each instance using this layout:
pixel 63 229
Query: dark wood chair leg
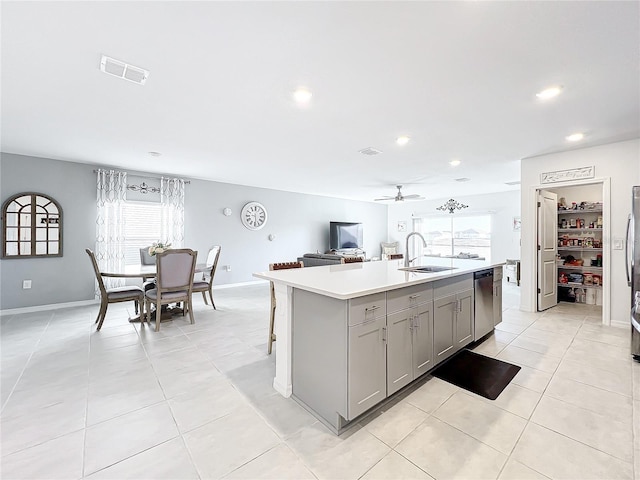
pixel 204 295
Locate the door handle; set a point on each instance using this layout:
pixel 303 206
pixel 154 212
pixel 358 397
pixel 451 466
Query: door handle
pixel 628 260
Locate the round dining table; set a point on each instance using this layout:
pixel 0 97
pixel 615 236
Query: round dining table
pixel 145 272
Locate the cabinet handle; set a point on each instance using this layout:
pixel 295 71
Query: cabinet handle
pixel 416 321
pixel 384 334
pixel 371 309
pixel 413 297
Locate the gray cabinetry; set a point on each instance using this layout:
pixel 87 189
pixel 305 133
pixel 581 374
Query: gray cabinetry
pixel 410 339
pixel 452 316
pixel 367 376
pixel 464 319
pixel 497 295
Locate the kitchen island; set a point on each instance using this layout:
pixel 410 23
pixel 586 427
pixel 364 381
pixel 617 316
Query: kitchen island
pixel 351 335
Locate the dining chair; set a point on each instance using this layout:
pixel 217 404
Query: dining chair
pixel 206 284
pixel 113 295
pixel 351 260
pixel 174 281
pixel 149 282
pixel 272 267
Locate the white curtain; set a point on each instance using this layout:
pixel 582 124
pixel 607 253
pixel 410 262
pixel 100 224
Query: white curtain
pixel 172 215
pixel 110 223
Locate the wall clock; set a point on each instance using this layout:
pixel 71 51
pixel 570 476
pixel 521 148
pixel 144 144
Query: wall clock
pixel 253 216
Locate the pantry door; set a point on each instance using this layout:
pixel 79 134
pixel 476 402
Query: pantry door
pixel 547 249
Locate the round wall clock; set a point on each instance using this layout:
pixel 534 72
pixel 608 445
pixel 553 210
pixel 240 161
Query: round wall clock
pixel 254 216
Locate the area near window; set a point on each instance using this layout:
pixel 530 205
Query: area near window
pixel 456 235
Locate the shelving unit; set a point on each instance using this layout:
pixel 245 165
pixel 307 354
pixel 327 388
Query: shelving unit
pixel 580 236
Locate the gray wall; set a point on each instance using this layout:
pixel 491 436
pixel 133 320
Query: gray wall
pixel 299 222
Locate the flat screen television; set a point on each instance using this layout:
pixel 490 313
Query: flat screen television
pixel 343 235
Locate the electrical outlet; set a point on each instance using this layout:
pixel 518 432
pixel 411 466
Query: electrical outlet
pixel 26 284
pixel 618 243
pixel 227 268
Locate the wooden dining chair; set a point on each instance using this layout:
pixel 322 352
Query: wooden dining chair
pixel 277 266
pixel 113 295
pixel 174 281
pixel 206 284
pixel 351 260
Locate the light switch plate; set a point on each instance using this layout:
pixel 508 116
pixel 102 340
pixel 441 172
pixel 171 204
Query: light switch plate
pixel 618 243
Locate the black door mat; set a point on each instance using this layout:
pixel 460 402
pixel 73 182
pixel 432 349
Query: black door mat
pixel 477 373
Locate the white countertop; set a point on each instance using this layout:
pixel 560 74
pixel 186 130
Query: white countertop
pixel 351 280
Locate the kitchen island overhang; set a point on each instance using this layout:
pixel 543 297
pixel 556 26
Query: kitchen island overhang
pixel 339 288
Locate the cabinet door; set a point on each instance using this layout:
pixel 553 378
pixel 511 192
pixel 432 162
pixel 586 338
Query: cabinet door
pixel 399 358
pixel 367 373
pixel 444 316
pixel 422 339
pixel 464 319
pixel 497 303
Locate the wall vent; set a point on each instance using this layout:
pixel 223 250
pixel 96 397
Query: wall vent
pixel 369 151
pixel 123 70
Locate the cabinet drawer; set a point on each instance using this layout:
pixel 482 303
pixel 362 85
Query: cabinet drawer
pixel 408 297
pixel 367 308
pixel 448 286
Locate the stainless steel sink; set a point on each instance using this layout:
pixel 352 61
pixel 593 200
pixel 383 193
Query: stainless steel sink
pixel 427 269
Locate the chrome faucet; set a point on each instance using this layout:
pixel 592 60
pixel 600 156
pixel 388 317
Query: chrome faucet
pixel 407 262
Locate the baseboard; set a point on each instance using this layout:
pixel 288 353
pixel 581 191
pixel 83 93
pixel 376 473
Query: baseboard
pixel 241 284
pixel 83 303
pixel 620 324
pixel 52 306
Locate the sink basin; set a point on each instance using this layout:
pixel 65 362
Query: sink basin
pixel 427 269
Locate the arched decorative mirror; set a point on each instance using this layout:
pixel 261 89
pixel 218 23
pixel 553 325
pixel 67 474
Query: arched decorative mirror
pixel 32 226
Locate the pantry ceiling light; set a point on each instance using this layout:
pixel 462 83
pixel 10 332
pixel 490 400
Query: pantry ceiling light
pixel 402 140
pixel 575 137
pixel 454 163
pixel 154 154
pixel 463 179
pixel 302 95
pixel 550 92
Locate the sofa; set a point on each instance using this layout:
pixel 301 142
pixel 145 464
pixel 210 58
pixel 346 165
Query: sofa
pixel 317 259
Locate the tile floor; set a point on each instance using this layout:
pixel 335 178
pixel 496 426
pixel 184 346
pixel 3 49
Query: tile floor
pixel 195 401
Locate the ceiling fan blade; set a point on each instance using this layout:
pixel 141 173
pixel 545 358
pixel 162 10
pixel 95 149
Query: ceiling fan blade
pixel 413 195
pixel 383 198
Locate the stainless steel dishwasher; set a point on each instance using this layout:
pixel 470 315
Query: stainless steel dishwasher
pixel 483 285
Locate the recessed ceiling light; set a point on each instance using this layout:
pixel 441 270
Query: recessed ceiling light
pixel 550 92
pixel 463 179
pixel 154 154
pixel 575 137
pixel 302 95
pixel 454 163
pixel 515 182
pixel 402 140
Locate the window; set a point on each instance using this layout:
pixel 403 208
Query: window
pixel 142 228
pixel 32 226
pixel 455 235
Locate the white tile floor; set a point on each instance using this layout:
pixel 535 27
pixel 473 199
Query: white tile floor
pixel 195 401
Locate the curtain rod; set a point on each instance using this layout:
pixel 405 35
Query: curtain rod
pixel 187 182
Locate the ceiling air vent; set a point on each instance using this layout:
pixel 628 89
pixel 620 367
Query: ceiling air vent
pixel 369 151
pixel 516 182
pixel 123 70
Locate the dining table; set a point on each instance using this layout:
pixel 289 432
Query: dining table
pixel 146 272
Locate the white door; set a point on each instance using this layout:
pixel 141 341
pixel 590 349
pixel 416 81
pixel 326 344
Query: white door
pixel 547 249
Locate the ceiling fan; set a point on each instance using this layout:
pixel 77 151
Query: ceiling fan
pixel 400 197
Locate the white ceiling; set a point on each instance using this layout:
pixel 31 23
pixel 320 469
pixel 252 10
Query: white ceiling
pixel 458 77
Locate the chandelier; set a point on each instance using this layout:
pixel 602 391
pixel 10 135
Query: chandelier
pixel 451 205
